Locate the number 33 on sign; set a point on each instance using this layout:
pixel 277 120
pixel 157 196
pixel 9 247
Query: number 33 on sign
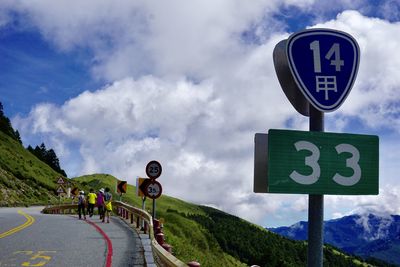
pixel 322 163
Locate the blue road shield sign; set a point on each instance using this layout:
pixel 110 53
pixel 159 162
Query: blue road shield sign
pixel 324 64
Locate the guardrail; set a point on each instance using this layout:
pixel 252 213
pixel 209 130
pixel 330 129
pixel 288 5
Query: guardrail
pixel 143 220
pixel 60 209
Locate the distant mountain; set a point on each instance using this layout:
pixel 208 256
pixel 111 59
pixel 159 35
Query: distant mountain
pixel 363 235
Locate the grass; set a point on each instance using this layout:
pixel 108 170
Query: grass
pixel 15 159
pixel 24 179
pixel 189 240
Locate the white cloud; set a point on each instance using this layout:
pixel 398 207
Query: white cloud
pixel 200 127
pixel 375 96
pixel 373 231
pixel 301 204
pixel 203 140
pixel 132 38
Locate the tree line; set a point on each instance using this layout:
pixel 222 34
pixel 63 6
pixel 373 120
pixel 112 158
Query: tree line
pixel 48 156
pixel 6 127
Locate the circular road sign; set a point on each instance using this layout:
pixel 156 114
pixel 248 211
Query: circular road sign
pixel 153 169
pixel 153 189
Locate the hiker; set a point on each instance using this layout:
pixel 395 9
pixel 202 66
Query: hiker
pixel 92 201
pixel 107 204
pixel 81 205
pixel 100 203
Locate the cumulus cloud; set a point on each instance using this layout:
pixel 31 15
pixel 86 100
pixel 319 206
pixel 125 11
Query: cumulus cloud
pixel 375 96
pixel 135 38
pixel 122 126
pixel 185 89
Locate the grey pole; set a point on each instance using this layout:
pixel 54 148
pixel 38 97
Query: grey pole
pixel 154 209
pixel 143 203
pixel 143 208
pixel 316 206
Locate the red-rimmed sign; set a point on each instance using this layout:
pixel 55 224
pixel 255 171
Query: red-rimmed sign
pixel 153 169
pixel 153 189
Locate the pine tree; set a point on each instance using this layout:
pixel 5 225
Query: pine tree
pixel 41 152
pixel 18 136
pixel 47 156
pixel 6 127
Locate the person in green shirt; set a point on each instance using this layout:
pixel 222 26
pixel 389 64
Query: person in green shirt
pixel 91 201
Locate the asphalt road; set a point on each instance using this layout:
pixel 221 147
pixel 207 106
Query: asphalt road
pixel 29 238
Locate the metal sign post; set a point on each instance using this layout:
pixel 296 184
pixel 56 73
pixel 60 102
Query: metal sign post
pixel 325 81
pixel 154 209
pixel 153 190
pixel 143 208
pixel 316 69
pixel 150 187
pixel 315 205
pixel 121 188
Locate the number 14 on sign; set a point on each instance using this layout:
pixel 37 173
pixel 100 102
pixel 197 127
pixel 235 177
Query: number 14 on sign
pixel 334 51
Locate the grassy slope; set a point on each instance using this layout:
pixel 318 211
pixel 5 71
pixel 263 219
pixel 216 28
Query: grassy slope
pixel 24 179
pixel 189 240
pixel 215 238
pixel 195 232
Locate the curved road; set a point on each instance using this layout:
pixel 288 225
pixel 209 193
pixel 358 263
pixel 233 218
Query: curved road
pixel 29 238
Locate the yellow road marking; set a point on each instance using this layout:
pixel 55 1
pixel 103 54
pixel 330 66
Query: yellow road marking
pixel 29 221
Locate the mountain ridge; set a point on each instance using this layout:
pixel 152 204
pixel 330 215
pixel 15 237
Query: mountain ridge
pixel 365 235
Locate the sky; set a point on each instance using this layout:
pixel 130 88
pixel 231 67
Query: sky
pixel 112 85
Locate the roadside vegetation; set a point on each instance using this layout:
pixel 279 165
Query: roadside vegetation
pixel 203 234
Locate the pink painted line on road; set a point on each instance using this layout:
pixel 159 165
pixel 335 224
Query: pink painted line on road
pixel 109 243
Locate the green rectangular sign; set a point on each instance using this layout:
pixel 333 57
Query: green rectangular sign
pixel 322 163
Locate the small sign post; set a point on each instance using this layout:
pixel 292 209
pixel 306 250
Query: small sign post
pixel 139 182
pixel 60 190
pixel 150 187
pixel 121 188
pixel 74 191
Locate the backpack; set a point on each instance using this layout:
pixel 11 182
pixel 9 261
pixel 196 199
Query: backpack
pixel 107 196
pixel 81 200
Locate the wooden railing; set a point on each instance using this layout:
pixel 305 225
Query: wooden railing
pixel 132 215
pixel 60 209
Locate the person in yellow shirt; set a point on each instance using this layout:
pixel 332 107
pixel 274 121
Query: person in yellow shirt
pixel 108 205
pixel 91 201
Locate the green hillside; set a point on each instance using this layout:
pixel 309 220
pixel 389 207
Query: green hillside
pixel 215 238
pixel 200 233
pixel 190 241
pixel 24 179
